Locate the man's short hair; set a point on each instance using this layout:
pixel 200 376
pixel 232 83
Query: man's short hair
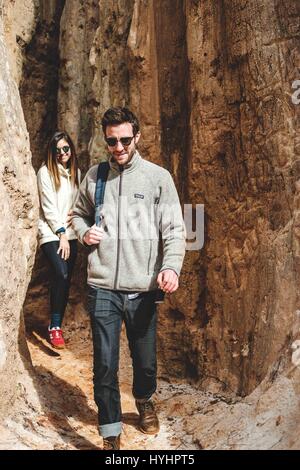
pixel 118 115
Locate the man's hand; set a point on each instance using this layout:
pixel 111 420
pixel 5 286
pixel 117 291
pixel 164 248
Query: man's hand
pixel 94 235
pixel 168 281
pixel 64 247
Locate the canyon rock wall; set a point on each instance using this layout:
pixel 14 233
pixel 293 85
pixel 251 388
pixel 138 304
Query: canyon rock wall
pixel 78 25
pixel 19 208
pixel 243 165
pixel 39 83
pixel 19 22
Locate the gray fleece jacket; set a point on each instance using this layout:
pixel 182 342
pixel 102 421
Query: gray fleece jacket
pixel 142 222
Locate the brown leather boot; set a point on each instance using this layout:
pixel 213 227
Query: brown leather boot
pixel 111 443
pixel 148 423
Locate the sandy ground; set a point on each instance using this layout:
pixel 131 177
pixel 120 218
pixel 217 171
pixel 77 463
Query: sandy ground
pixel 66 416
pixel 68 419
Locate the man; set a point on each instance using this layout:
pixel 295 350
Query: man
pixel 139 248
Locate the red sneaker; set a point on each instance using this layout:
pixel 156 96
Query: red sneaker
pixel 56 337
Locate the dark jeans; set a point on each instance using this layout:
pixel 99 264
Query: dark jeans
pixel 107 310
pixel 61 274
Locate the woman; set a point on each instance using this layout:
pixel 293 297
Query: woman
pixel 58 181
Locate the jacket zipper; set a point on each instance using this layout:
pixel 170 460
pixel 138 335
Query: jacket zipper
pixel 119 228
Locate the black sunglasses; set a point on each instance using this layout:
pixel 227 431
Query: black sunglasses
pixel 125 141
pixel 65 149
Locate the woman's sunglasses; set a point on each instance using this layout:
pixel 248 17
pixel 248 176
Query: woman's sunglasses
pixel 112 141
pixel 65 149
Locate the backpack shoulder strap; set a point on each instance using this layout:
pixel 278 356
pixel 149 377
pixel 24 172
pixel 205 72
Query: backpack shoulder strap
pixel 102 175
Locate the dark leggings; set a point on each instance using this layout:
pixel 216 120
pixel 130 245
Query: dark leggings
pixel 61 274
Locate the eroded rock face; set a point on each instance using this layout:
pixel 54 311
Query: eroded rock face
pixel 19 208
pixel 211 83
pixel 39 83
pixel 78 26
pixel 244 166
pixel 19 22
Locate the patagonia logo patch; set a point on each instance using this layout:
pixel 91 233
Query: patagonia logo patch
pixel 139 196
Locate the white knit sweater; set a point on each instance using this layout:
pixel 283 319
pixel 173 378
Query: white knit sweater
pixel 55 205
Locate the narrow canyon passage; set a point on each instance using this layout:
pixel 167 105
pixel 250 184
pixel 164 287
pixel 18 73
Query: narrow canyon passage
pixel 212 84
pixel 190 419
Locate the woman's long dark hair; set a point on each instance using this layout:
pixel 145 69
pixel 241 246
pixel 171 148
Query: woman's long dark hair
pixel 51 159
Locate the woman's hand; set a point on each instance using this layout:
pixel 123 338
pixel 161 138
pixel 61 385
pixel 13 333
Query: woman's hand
pixel 64 247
